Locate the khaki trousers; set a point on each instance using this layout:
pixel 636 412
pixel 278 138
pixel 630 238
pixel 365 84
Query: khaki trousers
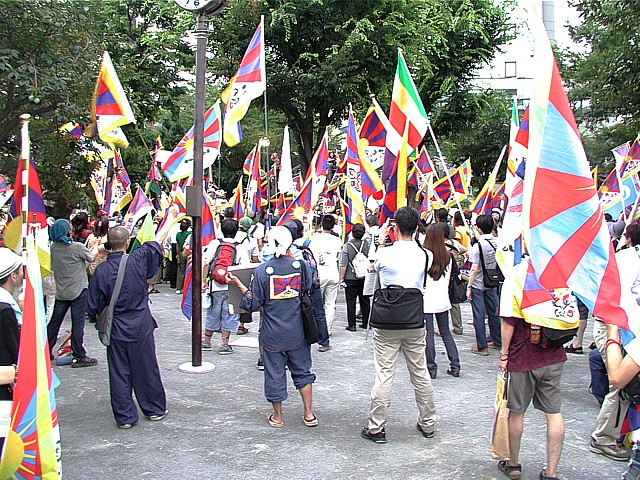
pixel 387 344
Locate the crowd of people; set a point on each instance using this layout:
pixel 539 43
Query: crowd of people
pixel 89 257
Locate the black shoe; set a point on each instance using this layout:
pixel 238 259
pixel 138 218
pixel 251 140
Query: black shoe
pixel 425 433
pixel 380 437
pixel 260 365
pixel 362 326
pixel 433 375
pixel 454 373
pixel 572 349
pixel 83 362
pixel 351 329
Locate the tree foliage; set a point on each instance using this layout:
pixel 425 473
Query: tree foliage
pixel 324 54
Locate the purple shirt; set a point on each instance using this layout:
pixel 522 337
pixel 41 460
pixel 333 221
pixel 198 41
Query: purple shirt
pixel 524 355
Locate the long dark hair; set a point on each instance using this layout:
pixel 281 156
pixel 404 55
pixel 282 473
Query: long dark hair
pixel 101 227
pixel 80 223
pixel 434 242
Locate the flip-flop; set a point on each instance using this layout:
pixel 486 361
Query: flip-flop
pixel 311 423
pixel 273 423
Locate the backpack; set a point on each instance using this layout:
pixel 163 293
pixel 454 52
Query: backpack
pixel 492 277
pixel 360 263
pixel 224 257
pixel 308 257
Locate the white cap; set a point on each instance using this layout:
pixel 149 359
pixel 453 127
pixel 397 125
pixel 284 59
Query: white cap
pixel 9 261
pixel 280 239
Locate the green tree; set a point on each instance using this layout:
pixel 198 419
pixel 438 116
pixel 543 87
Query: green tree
pixel 323 54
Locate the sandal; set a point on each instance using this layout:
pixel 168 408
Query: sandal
pixel 511 471
pixel 544 476
pixel 311 423
pixel 274 423
pixel 242 330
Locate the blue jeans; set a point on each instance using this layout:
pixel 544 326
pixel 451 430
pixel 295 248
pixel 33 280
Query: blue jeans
pixel 633 470
pixel 317 302
pixel 486 301
pixel 78 310
pixel 218 316
pixel 449 343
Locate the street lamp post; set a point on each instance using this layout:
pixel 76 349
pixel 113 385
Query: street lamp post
pixel 203 8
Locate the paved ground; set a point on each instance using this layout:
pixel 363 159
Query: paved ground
pixel 217 424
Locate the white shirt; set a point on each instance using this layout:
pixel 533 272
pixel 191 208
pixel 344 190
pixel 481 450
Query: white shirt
pixel 242 258
pixel 401 264
pixel 326 249
pixel 436 293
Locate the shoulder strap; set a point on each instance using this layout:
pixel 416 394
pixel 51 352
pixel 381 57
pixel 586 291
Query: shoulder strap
pixel 118 285
pixel 426 267
pixel 482 255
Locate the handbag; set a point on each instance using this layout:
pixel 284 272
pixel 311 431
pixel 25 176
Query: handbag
pixel 500 425
pixel 104 321
pixel 491 277
pixel 398 308
pixel 308 316
pixel 457 286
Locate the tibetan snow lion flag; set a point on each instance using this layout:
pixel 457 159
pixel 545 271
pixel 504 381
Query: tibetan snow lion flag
pixel 249 82
pixel 32 445
pixel 566 236
pixel 110 108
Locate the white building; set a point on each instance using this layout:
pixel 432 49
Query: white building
pixel 512 69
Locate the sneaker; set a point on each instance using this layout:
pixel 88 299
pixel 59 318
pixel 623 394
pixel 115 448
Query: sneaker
pixel 179 292
pixel 482 351
pixel 206 347
pixel 380 437
pixel 457 331
pixel 126 426
pixel 157 418
pixel 614 452
pixel 228 350
pixel 425 433
pixel 260 365
pixel 324 348
pixel 83 362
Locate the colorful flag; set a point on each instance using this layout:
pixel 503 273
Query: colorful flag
pixel 32 445
pixel 249 82
pixel 372 137
pixel 254 190
pixel 36 212
pixel 208 225
pixel 72 129
pixel 317 172
pixel 631 162
pixel 406 108
pixel 352 164
pixel 482 204
pixel 145 234
pixel 396 192
pixel 140 206
pixel 118 193
pixel 110 108
pixel 566 237
pixel 300 206
pixel 237 200
pixel 285 177
pixel 443 188
pixel 626 198
pixel 186 305
pixel 180 163
pixel 610 184
pixel 246 166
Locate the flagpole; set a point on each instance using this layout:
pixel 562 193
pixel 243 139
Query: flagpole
pixel 446 171
pixel 26 159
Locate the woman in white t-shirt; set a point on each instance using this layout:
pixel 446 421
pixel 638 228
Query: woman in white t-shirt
pixel 436 301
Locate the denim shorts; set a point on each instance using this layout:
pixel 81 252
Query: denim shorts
pixel 218 316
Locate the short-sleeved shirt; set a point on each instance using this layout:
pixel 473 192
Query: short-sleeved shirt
pixel 68 263
pixel 132 319
pixel 488 245
pixel 276 288
pixel 524 355
pixel 326 249
pixel 242 258
pixel 349 251
pixel 403 263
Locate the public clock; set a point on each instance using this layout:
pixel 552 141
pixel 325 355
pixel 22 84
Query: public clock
pixel 208 6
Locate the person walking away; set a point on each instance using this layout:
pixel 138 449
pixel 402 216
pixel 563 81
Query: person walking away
pixel 69 265
pixel 276 287
pixel 436 301
pixel 326 249
pixel 483 299
pixel 131 356
pixel 354 285
pixel 401 264
pixel 181 237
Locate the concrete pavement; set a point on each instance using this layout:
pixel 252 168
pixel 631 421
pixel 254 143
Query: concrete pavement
pixel 217 425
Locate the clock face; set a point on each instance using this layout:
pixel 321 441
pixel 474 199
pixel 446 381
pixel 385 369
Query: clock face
pixel 198 5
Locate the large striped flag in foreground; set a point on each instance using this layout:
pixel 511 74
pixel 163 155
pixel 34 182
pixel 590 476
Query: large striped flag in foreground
pixel 567 238
pixel 32 446
pixel 406 109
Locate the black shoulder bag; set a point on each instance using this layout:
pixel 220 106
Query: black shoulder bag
pixel 398 308
pixel 491 277
pixel 457 286
pixel 308 316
